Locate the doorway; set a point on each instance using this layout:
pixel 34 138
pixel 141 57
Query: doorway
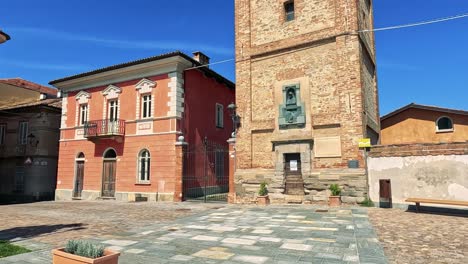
pixel 294 184
pixel 385 193
pixel 79 175
pixel 108 173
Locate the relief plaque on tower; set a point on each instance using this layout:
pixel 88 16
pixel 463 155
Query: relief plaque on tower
pixel 291 111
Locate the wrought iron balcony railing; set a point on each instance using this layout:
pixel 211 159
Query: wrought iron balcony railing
pixel 104 128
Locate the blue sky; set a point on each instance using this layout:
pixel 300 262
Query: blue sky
pixel 55 38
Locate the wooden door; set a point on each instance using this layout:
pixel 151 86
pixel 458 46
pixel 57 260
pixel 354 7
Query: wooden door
pixel 108 178
pixel 385 199
pixel 79 176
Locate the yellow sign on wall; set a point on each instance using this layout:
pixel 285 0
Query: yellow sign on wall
pixel 365 143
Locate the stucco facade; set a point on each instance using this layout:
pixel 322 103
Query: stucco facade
pixel 335 72
pixel 436 171
pixel 138 107
pixel 418 124
pixel 29 134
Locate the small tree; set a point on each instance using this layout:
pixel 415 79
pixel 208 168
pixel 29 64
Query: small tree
pixel 335 189
pixel 263 189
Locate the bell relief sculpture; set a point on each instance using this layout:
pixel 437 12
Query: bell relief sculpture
pixel 291 112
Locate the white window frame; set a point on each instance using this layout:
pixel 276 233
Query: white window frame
pixel 146 114
pixel 84 114
pixel 219 116
pixel 3 131
pixel 23 132
pixel 113 110
pixel 147 175
pixel 444 130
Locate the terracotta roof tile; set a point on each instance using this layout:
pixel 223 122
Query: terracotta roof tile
pixel 29 85
pixel 54 102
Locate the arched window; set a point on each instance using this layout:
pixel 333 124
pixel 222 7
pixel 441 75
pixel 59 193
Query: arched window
pixel 110 154
pixel 80 155
pixel 444 124
pixel 144 166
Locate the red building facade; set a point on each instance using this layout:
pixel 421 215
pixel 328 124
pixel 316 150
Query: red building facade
pixel 121 126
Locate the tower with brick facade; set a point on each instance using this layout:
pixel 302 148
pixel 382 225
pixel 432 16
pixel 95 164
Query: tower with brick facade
pixel 306 94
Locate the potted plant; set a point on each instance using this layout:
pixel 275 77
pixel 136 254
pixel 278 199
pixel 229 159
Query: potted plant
pixel 262 198
pixel 82 252
pixel 335 198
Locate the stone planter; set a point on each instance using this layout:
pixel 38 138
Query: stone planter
pixel 62 257
pixel 263 200
pixel 334 201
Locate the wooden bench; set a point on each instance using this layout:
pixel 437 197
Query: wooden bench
pixel 418 201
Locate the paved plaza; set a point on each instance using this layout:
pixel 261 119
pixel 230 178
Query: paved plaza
pixel 220 233
pixel 235 234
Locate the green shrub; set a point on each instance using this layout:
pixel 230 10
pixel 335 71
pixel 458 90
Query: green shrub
pixel 84 249
pixel 367 202
pixel 335 189
pixel 263 189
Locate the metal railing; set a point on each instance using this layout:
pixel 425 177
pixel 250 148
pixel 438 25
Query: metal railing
pixel 104 128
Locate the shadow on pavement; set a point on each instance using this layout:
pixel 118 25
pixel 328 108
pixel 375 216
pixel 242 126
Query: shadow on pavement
pixel 25 232
pixel 439 211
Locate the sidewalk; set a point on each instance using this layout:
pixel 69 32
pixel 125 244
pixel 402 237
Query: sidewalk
pixel 234 234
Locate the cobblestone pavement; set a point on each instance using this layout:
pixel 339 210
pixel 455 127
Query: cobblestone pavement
pixel 414 238
pixel 232 234
pixel 55 222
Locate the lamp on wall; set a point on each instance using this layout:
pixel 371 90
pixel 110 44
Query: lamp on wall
pixel 33 141
pixel 4 37
pixel 235 118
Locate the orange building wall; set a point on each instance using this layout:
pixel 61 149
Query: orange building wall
pixel 127 100
pixel 162 151
pixel 419 126
pixel 202 93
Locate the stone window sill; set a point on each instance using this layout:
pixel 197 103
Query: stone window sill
pixel 444 131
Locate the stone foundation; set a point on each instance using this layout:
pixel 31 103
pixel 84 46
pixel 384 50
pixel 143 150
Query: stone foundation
pixel 66 195
pixel 316 183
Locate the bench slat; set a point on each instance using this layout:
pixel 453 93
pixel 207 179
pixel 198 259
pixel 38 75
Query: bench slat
pixel 435 201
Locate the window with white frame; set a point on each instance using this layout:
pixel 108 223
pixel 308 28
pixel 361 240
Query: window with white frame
pixel 444 124
pixel 83 114
pixel 219 163
pixel 23 133
pixel 144 166
pixel 146 106
pixel 219 116
pixel 113 110
pixel 3 128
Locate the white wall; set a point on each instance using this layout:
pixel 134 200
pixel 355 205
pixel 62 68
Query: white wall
pixel 436 177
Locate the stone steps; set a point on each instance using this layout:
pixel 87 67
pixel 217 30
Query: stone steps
pixel 294 185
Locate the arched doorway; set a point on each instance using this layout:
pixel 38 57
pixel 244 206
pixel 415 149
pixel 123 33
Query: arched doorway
pixel 79 175
pixel 108 173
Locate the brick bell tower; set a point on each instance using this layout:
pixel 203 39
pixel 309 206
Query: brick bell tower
pixel 306 94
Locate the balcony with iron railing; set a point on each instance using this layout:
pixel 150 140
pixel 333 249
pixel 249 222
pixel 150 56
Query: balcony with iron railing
pixel 104 128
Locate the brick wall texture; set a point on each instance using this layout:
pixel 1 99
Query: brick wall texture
pixel 334 67
pixel 423 149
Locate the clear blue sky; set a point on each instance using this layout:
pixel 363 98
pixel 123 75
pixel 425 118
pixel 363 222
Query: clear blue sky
pixel 55 38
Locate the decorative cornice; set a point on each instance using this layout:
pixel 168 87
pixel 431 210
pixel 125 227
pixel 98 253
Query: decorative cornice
pixel 112 91
pixel 145 85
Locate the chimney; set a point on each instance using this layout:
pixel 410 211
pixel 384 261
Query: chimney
pixel 201 58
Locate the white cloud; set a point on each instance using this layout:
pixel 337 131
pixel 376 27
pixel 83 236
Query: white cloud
pixel 44 66
pixel 124 44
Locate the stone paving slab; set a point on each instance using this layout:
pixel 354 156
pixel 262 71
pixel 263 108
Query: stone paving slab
pixel 234 234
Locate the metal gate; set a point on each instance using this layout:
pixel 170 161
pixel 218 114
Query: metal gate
pixel 206 172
